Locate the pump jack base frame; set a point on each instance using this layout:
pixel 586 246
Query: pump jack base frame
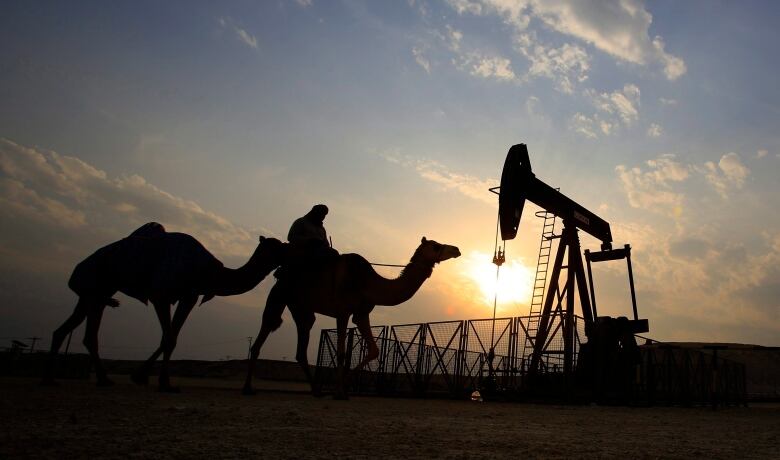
pixel 611 345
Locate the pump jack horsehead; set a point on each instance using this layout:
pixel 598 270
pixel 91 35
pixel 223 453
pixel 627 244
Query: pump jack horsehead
pixel 345 286
pixel 518 183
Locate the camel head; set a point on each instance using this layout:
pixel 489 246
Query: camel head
pixel 272 249
pixel 270 253
pixel 432 252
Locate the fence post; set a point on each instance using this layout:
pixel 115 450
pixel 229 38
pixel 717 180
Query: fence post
pixel 420 359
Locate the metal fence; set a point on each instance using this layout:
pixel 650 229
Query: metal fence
pixel 448 358
pixel 685 376
pixel 451 359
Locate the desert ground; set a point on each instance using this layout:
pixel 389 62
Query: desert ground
pixel 211 419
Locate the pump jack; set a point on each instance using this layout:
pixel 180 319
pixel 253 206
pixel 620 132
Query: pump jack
pixel 608 338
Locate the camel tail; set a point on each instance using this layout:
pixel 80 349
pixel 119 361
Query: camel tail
pixel 112 302
pixel 206 298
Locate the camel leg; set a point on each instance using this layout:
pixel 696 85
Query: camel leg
pixel 77 317
pixel 303 323
pixel 141 375
pixel 163 310
pixel 341 357
pixel 364 326
pixel 272 319
pixel 183 310
pixel 91 342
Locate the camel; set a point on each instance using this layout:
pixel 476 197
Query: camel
pixel 164 268
pixel 346 286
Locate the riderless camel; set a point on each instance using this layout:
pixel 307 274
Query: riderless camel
pixel 164 268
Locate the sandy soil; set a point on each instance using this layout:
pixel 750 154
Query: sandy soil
pixel 211 419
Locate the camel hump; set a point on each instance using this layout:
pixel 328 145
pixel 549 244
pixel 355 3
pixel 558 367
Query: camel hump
pixel 358 268
pixel 184 263
pixel 187 249
pixel 149 230
pixel 355 261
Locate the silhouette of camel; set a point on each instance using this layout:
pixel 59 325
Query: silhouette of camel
pixel 164 268
pixel 345 286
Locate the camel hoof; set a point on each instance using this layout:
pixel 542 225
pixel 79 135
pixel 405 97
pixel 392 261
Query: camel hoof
pixel 139 378
pixel 248 391
pixel 169 389
pixel 49 382
pixel 105 382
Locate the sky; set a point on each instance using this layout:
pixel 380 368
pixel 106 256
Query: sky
pixel 228 120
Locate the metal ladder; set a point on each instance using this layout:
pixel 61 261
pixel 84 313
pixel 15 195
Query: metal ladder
pixel 540 280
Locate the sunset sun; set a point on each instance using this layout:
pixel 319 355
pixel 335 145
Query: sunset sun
pixel 513 289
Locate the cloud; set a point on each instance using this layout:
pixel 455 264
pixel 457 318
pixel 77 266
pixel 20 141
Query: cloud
pixel 243 36
pixel 688 248
pixel 583 125
pixel 727 175
pixel 674 67
pixel 756 281
pixel 616 27
pixel 247 38
pixel 433 171
pixel 495 66
pixel 762 153
pixel 478 63
pixel 304 3
pixel 652 189
pixel 453 38
pixel 532 105
pixel 20 201
pixel 613 110
pixel 666 169
pixel 623 104
pixel 449 37
pixel 63 193
pixel 421 60
pixel 466 6
pixel 564 65
pixel 654 130
pixel 487 66
pixel 700 282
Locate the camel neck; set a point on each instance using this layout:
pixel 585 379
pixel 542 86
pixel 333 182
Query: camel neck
pixel 236 281
pixel 388 292
pixel 424 268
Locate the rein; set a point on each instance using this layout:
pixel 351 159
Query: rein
pixel 412 262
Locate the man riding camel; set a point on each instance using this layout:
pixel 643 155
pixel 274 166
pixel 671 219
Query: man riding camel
pixel 309 248
pixel 309 230
pixel 309 245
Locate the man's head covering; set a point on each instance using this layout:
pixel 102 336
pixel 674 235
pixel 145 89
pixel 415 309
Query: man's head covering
pixel 319 212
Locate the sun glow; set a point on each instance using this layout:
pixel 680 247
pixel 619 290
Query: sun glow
pixel 513 288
